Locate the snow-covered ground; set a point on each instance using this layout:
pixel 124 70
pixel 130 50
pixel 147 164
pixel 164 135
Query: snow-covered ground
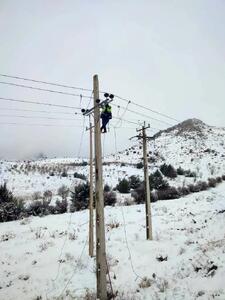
pixel 25 183
pixel 47 258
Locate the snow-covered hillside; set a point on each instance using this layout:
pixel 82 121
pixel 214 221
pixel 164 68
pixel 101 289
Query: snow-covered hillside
pixel 47 258
pixel 191 145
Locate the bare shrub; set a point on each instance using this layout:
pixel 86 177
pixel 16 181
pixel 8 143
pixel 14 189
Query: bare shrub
pixel 162 284
pixel 73 235
pixel 47 196
pixel 219 179
pixel 110 198
pixel 112 225
pixel 63 191
pixel 38 208
pixel 36 196
pixel 145 283
pixel 7 236
pixel 39 233
pixel 212 182
pixel 169 193
pixel 61 206
pixel 89 295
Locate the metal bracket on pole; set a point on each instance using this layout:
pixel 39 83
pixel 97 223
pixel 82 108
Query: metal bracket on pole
pixel 87 112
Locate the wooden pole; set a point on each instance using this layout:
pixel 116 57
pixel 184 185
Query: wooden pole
pixel 91 223
pixel 147 188
pixel 101 268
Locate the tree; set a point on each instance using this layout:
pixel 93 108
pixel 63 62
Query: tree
pixel 168 171
pixel 80 197
pixel 64 173
pixel 80 176
pixel 157 181
pixel 139 165
pixel 107 188
pixel 10 208
pixel 123 186
pixel 134 182
pixel 180 171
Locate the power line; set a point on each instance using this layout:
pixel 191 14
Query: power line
pixel 41 89
pixel 77 95
pixel 39 103
pixel 41 125
pixel 144 115
pixel 135 123
pixel 127 121
pixel 46 82
pixel 39 111
pixel 71 277
pixel 147 108
pixel 37 117
pixel 81 139
pixel 122 115
pixel 51 125
pixel 128 248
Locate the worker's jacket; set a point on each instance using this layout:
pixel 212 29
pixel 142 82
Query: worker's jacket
pixel 107 113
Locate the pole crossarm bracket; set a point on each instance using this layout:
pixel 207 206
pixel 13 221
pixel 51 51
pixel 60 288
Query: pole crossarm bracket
pixel 87 112
pixel 139 137
pixel 143 128
pixel 89 128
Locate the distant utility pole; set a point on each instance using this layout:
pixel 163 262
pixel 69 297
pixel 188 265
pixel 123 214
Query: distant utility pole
pixel 91 223
pixel 144 138
pixel 101 266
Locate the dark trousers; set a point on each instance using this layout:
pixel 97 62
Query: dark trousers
pixel 105 121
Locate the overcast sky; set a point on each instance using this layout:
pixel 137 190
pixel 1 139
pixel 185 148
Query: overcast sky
pixel 168 55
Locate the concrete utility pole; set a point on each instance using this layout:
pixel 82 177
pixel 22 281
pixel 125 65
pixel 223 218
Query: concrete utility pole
pixel 91 223
pixel 101 267
pixel 146 181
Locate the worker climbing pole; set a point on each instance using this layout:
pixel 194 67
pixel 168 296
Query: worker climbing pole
pixel 106 114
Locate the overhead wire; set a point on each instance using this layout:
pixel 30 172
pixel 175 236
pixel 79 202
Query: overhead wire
pixel 40 125
pixel 147 108
pixel 46 82
pixel 41 89
pixel 39 103
pixel 124 225
pixel 83 130
pixel 71 277
pixel 49 125
pixel 79 88
pixel 39 111
pixel 122 115
pixel 81 140
pixel 38 117
pixel 144 115
pixel 61 252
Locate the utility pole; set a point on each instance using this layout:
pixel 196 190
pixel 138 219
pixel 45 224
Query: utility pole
pixel 148 214
pixel 91 223
pixel 101 267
